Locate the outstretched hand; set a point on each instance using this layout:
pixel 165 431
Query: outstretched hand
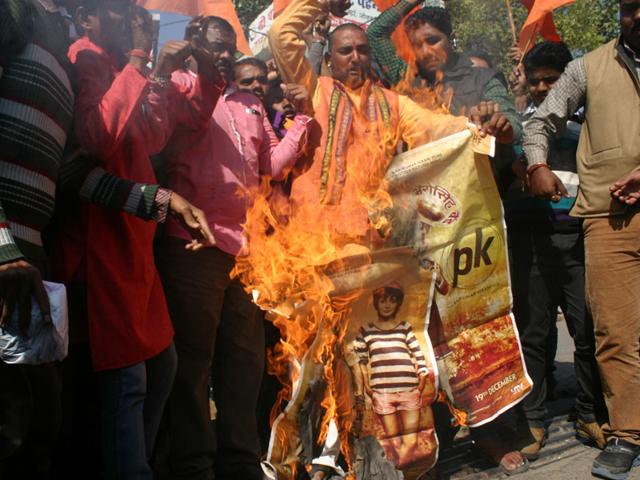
pixel 193 220
pixel 490 120
pixel 627 189
pixel 546 184
pixel 19 281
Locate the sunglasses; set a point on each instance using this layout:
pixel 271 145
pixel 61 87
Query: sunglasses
pixel 262 79
pixel 550 80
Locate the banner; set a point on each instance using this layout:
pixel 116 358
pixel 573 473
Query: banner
pixel 371 333
pixel 460 235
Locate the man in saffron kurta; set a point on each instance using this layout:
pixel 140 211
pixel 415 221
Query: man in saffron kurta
pixel 361 124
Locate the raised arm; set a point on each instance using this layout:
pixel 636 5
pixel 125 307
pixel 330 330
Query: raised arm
pixel 106 105
pixel 379 33
pixel 192 101
pixel 278 157
pixel 288 46
pixel 192 98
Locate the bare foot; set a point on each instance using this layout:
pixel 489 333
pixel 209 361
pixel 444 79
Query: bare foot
pixel 627 189
pixel 512 462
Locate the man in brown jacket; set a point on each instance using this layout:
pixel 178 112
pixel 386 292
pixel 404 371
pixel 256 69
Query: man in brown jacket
pixel 607 83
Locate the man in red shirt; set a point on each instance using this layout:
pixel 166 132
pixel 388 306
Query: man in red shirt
pixel 123 114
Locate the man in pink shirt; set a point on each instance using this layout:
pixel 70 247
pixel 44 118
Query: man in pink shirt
pixel 214 319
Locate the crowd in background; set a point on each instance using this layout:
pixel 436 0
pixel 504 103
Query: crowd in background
pixel 98 149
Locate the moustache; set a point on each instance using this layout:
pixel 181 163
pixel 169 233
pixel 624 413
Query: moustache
pixel 224 64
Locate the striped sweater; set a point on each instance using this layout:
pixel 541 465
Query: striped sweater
pixel 36 110
pixel 394 356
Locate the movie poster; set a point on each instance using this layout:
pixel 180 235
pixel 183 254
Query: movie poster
pixel 427 310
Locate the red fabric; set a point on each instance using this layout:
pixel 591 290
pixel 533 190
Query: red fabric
pixel 191 8
pixel 540 21
pixel 122 119
pixel 399 37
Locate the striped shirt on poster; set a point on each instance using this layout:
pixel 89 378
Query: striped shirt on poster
pixel 394 355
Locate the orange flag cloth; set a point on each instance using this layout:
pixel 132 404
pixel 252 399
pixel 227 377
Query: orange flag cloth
pixel 191 8
pixel 540 21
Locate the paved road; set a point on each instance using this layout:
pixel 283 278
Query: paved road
pixel 563 458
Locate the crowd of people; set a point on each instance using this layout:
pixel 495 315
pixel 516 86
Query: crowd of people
pixel 98 149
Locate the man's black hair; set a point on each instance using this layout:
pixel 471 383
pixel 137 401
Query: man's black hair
pixel 437 17
pixel 344 26
pixel 90 5
pixel 388 292
pixel 481 54
pixel 220 23
pixel 256 62
pixel 547 54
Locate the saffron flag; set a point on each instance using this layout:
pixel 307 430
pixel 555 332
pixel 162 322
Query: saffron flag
pixel 540 21
pixel 191 8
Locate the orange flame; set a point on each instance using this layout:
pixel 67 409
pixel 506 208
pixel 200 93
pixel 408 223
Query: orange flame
pixel 287 269
pixel 436 98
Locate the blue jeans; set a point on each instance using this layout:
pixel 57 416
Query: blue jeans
pixel 132 402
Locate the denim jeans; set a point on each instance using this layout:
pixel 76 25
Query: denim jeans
pixel 132 403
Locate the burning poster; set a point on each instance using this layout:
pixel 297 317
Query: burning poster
pixel 373 329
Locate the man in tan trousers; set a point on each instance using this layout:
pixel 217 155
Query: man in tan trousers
pixel 607 83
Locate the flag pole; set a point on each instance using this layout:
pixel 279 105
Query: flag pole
pixel 526 48
pixel 511 21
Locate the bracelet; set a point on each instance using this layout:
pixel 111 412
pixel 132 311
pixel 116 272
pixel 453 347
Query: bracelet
pixel 139 53
pixel 533 168
pixel 160 80
pixel 536 166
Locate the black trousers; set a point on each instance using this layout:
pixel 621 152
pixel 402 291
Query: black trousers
pixel 219 337
pixel 547 273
